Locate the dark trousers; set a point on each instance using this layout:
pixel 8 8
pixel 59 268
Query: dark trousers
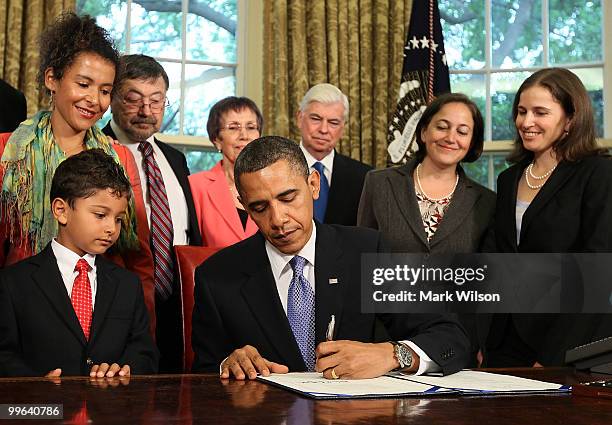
pixel 169 333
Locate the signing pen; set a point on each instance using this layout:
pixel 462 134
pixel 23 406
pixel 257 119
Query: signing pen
pixel 329 336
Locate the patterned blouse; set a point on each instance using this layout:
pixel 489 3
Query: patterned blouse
pixel 432 212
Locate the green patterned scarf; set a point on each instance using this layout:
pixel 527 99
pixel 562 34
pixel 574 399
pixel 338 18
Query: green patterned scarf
pixel 29 161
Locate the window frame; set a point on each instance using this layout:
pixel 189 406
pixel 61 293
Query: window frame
pixel 500 146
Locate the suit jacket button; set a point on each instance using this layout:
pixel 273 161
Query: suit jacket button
pixel 89 361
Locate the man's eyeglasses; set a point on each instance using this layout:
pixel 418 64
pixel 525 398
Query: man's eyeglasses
pixel 135 101
pixel 236 127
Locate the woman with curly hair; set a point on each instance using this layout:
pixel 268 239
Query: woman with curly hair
pixel 77 69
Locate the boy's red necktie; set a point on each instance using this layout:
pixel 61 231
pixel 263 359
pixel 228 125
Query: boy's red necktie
pixel 81 297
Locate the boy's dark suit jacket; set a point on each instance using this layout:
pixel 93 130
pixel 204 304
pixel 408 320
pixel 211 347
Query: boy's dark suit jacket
pixel 237 303
pixel 571 213
pixel 39 330
pixel 345 191
pixel 178 163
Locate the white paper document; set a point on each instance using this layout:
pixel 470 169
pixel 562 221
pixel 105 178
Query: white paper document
pixel 466 382
pixel 313 384
pixel 471 381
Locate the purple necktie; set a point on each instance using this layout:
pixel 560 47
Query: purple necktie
pixel 301 311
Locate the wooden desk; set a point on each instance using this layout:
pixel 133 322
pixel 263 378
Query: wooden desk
pixel 193 399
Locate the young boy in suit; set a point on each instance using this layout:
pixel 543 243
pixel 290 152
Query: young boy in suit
pixel 67 310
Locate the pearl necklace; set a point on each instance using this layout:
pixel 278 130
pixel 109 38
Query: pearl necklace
pixel 529 173
pixel 428 197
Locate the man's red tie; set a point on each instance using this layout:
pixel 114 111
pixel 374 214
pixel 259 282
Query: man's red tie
pixel 161 224
pixel 81 297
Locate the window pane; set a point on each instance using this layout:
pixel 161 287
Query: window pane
pixel 480 170
pixel 592 78
pixel 499 165
pixel 211 30
pixel 205 85
pixel 157 33
pixel 503 88
pixel 516 33
pixel 472 85
pixel 464 35
pixel 199 158
pixel 575 31
pixel 172 119
pixel 109 14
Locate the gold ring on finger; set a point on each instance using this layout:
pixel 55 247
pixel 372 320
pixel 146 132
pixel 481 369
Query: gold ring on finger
pixel 333 374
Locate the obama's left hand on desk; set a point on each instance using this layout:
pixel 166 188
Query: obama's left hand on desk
pixel 358 360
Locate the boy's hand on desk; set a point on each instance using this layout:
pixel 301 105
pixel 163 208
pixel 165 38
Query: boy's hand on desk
pixel 54 376
pixel 55 373
pixel 104 370
pixel 246 363
pixel 355 360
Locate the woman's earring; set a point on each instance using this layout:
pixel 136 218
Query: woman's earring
pixel 52 100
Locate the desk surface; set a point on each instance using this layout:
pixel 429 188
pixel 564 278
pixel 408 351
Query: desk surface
pixel 192 399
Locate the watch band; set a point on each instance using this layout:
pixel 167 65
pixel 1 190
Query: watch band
pixel 403 355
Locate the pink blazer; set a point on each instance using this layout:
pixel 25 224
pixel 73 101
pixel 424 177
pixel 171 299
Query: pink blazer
pixel 218 219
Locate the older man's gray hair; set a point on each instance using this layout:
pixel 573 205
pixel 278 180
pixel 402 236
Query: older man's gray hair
pixel 325 93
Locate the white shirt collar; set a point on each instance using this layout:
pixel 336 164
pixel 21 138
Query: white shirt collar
pixel 67 259
pixel 327 161
pixel 279 261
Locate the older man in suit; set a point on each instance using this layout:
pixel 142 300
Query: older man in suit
pixel 264 304
pixel 138 104
pixel 323 113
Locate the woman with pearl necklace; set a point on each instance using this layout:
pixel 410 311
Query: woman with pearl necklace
pixel 557 198
pixel 429 205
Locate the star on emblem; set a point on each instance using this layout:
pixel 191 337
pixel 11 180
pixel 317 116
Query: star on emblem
pixel 424 43
pixel 415 43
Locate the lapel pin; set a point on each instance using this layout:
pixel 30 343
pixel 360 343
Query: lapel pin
pixel 333 281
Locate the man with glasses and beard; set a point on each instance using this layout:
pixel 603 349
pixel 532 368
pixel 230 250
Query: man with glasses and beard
pixel 138 104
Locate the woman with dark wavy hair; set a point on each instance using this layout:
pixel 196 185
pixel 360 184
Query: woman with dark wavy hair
pixel 77 69
pixel 429 205
pixel 557 197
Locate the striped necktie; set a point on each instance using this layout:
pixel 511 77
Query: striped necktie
pixel 161 224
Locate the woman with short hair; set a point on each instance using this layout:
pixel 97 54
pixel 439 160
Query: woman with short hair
pixel 233 123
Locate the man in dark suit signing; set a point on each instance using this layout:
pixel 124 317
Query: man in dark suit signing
pixel 265 304
pixel 138 104
pixel 323 114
